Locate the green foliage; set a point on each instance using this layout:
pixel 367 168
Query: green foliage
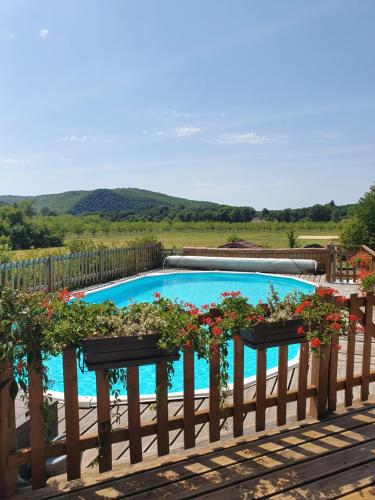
pixel 233 237
pixel 292 239
pixel 354 232
pixel 365 211
pixel 5 253
pixel 367 280
pixel 22 231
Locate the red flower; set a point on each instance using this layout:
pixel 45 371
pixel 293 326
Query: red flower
pixel 188 344
pixel 206 321
pixel 341 299
pixel 326 291
pixel 78 295
pixel 194 311
pixel 261 319
pixel 20 366
pixel 64 295
pixel 352 317
pixel 315 342
pixel 191 327
pixel 301 307
pixel 205 307
pixel 300 330
pixel 337 347
pixel 156 295
pixel 336 327
pixel 333 317
pixel 216 330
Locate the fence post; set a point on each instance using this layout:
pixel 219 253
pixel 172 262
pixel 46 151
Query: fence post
pixel 8 473
pixel 50 274
pixel 101 266
pixel 320 379
pixel 329 263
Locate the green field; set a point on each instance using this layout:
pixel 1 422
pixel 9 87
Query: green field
pixel 178 239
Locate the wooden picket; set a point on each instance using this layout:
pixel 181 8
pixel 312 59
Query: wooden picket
pixel 80 269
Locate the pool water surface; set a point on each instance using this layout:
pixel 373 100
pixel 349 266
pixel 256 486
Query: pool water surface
pixel 196 287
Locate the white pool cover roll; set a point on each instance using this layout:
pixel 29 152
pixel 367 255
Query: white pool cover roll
pixel 288 266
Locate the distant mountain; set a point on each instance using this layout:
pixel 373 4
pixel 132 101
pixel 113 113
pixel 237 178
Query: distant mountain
pixel 107 200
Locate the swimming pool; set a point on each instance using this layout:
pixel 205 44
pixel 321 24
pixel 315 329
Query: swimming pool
pixel 196 287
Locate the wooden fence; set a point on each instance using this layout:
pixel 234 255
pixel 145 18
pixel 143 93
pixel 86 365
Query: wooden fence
pixel 319 382
pixel 318 254
pixel 339 268
pixel 80 269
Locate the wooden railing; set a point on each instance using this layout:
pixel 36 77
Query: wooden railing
pixel 80 269
pixel 339 268
pixel 318 382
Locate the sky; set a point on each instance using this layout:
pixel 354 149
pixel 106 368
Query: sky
pixel 265 103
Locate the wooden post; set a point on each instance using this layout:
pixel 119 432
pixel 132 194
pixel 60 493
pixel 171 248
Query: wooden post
pixel 329 263
pixel 238 386
pixel 36 401
pixel 368 334
pixel 261 386
pixel 101 266
pixel 134 415
pixel 162 408
pixel 8 473
pixel 104 421
pixel 214 402
pixel 303 371
pixel 320 378
pixel 51 284
pixel 71 414
pixel 282 384
pixel 189 402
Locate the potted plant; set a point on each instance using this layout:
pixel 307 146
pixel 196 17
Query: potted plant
pixel 141 334
pixel 367 281
pixel 278 325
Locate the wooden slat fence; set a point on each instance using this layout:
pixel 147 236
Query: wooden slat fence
pixel 321 255
pixel 80 269
pixel 320 389
pixel 339 268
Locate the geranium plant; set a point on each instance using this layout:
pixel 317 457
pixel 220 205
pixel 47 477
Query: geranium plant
pixel 367 281
pixel 325 317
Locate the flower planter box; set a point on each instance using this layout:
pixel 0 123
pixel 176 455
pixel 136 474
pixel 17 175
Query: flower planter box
pixel 275 334
pixel 121 352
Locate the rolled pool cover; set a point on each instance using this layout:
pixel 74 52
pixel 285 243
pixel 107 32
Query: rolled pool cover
pixel 283 266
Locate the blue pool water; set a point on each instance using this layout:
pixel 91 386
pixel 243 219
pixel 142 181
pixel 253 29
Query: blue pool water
pixel 196 287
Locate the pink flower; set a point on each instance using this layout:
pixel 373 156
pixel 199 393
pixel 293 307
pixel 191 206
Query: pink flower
pixel 156 295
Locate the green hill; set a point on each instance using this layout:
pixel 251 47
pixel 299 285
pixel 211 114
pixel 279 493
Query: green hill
pixel 106 200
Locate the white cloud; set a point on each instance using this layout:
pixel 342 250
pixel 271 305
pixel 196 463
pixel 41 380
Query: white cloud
pixel 44 33
pixel 11 161
pixel 186 131
pixel 250 138
pixel 74 138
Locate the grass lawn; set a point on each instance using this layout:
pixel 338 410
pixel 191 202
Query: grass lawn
pixel 178 239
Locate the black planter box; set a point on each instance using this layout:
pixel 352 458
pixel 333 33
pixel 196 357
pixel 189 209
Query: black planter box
pixel 275 334
pixel 121 352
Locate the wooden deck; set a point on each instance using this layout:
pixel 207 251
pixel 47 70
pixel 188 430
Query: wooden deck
pixel 334 458
pixel 246 467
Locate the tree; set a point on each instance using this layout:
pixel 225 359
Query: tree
pixel 365 211
pixel 360 229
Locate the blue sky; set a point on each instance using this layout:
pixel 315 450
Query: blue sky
pixel 266 103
